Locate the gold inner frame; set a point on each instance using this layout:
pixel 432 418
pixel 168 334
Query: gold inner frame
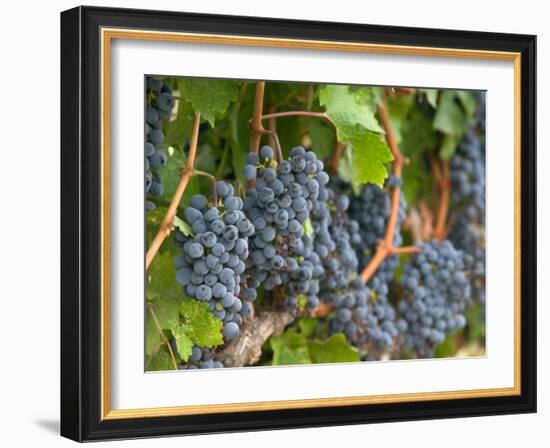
pixel 107 35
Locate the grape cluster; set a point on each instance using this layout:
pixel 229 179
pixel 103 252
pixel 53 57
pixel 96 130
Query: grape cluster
pixel 436 292
pixel 365 317
pixel 468 190
pixel 374 324
pixel 160 103
pixel 333 232
pixel 306 242
pixel 279 205
pixel 360 312
pixel 468 176
pixel 212 263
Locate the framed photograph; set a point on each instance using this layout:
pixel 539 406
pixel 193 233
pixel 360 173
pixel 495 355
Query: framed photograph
pixel 277 224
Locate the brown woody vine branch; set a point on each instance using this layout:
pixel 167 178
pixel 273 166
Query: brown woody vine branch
pixel 298 113
pixel 256 127
pixel 385 247
pixel 186 172
pixel 247 348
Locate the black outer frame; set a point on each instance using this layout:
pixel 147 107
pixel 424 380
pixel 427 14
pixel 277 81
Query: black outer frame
pixel 81 224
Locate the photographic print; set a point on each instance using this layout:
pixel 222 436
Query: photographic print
pixel 302 223
pixel 313 201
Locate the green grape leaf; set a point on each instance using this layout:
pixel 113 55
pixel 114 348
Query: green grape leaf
pixel 308 227
pixel 163 299
pixel 165 310
pixel 377 95
pixel 287 95
pixel 161 278
pixel 208 159
pixel 323 139
pixel 348 108
pixel 160 360
pixel 210 97
pixel 182 226
pixel 289 131
pixel 334 349
pixel 431 96
pixel 468 101
pixel 152 335
pixel 352 110
pixel 449 117
pixel 155 217
pixel 202 327
pixel 307 326
pixel 345 168
pixel 368 156
pixel 366 96
pixel 398 108
pixel 176 131
pixel 418 134
pixel 238 158
pixel 183 341
pixel 171 172
pixel 415 182
pixel 447 348
pixel 289 348
pixel 153 220
pixel 448 146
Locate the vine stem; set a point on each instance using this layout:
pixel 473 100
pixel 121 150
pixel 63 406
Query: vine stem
pixel 298 113
pixel 186 173
pixel 271 127
pixel 212 180
pixel 426 217
pixel 442 177
pixel 256 127
pixel 385 247
pixel 272 116
pixel 166 341
pixel 223 162
pixel 306 113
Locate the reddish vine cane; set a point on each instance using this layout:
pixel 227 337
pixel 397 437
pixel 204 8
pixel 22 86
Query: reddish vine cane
pixel 256 127
pixel 385 247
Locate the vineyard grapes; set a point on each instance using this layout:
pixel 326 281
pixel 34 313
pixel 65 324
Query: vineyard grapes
pixel 361 311
pixel 468 187
pixel 436 293
pixel 160 103
pixel 211 264
pixel 282 260
pixel 373 322
pixel 279 204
